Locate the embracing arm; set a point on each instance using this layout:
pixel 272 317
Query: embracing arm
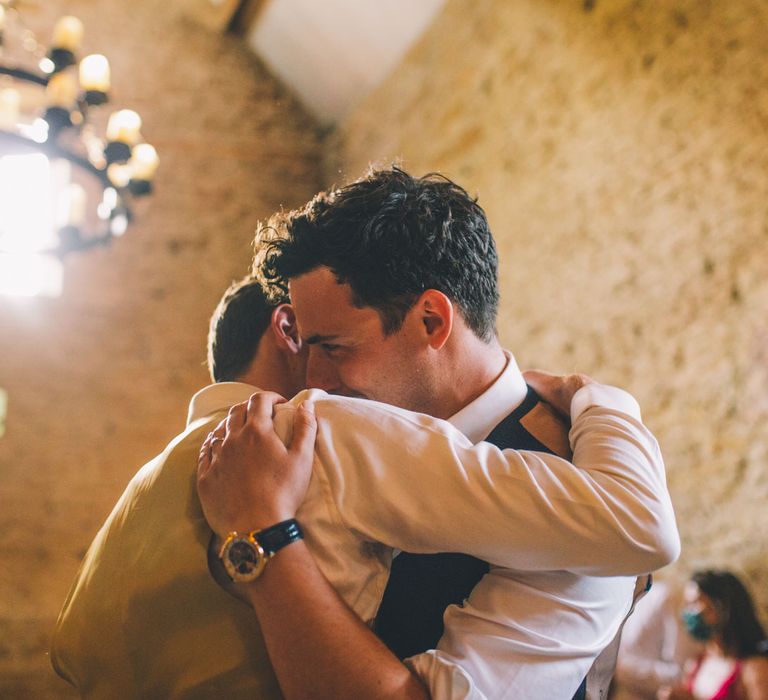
pixel 609 515
pixel 327 652
pixel 318 647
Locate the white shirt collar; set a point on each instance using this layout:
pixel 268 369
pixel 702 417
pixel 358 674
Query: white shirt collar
pixel 216 397
pixel 478 418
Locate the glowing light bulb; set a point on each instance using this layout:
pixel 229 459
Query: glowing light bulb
pixel 67 33
pixel 94 73
pixel 37 130
pixel 108 203
pixel 9 108
pixel 61 90
pixel 144 162
pixel 119 224
pixel 124 126
pixel 119 174
pixel 47 65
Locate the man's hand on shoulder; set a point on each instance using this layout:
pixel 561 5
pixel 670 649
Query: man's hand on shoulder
pixel 247 478
pixel 557 390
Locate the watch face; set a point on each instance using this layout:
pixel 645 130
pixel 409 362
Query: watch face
pixel 244 559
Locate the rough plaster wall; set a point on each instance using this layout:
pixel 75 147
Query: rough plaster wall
pixel 99 379
pixel 621 152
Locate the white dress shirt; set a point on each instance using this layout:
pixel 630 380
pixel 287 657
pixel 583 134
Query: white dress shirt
pixel 564 542
pixel 654 645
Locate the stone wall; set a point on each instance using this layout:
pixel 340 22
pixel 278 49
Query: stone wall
pixel 621 151
pixel 99 380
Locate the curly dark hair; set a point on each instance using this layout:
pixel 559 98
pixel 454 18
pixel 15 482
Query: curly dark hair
pixel 237 325
pixel 742 633
pixel 391 236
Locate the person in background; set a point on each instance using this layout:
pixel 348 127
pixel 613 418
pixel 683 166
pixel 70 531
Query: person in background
pixel 654 644
pixel 719 612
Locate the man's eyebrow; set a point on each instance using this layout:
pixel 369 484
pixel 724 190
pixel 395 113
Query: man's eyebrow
pixel 315 339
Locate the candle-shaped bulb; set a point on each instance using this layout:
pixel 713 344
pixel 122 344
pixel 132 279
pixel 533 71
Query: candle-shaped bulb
pixel 94 73
pixel 9 108
pixel 119 174
pixel 61 90
pixel 144 162
pixel 67 33
pixel 124 126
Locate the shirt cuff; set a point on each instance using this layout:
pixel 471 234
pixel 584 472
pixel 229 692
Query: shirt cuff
pixel 604 396
pixel 445 679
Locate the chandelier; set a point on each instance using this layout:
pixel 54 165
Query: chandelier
pixel 63 186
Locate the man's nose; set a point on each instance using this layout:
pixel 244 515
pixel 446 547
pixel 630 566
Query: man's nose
pixel 321 373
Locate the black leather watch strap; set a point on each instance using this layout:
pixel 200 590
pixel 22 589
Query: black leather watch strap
pixel 278 536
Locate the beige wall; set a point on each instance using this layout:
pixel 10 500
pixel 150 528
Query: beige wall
pixel 99 379
pixel 622 157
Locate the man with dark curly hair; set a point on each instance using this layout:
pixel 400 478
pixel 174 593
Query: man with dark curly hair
pixel 394 285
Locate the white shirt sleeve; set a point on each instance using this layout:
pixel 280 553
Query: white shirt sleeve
pixel 415 483
pixel 444 677
pixel 564 541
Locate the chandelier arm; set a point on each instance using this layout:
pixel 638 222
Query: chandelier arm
pixel 23 74
pixel 57 151
pixel 61 251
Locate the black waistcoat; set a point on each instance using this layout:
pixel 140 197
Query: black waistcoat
pixel 422 586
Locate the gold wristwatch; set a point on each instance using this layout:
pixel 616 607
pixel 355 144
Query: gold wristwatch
pixel 245 555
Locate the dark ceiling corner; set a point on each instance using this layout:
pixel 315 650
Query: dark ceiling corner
pixel 245 16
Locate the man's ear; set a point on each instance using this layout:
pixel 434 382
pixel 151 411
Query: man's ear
pixel 436 311
pixel 283 326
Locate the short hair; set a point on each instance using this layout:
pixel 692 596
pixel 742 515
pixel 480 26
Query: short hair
pixel 391 236
pixel 742 633
pixel 237 326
